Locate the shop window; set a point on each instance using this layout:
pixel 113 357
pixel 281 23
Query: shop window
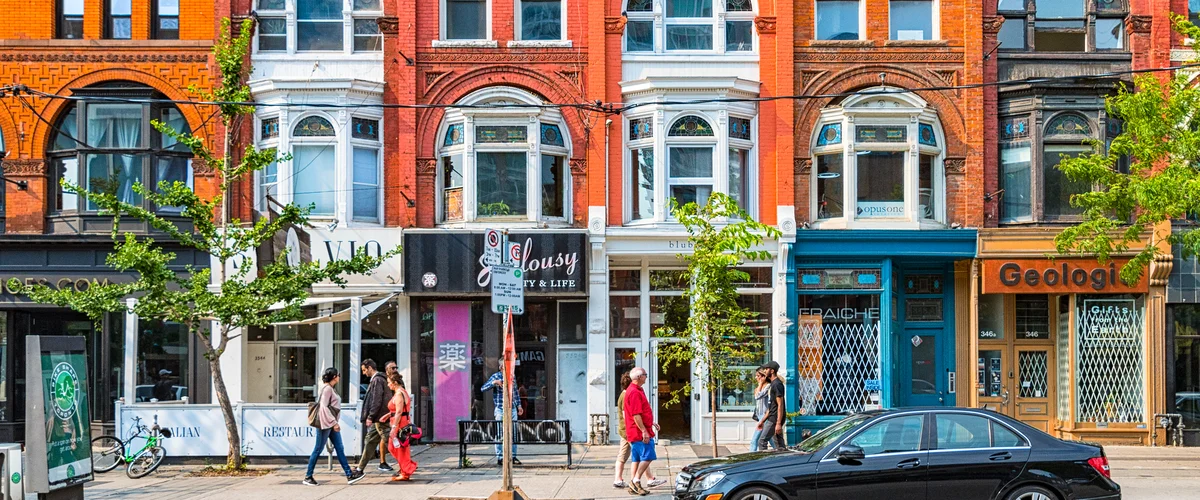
pixel 1063 25
pixel 120 20
pixel 1032 317
pixel 163 362
pixel 1110 355
pixel 1186 398
pixel 719 26
pixel 736 391
pixel 109 147
pixel 911 19
pixel 70 19
pixel 453 366
pixel 540 19
pixel 625 319
pixel 838 19
pixel 488 164
pixel 872 169
pixel 166 19
pixel 843 328
pixel 466 20
pixel 991 317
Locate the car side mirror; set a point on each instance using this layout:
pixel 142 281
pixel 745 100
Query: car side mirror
pixel 850 452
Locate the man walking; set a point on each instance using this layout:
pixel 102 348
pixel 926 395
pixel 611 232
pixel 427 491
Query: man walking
pixel 640 429
pixel 374 408
pixel 772 424
pixel 496 384
pixel 388 369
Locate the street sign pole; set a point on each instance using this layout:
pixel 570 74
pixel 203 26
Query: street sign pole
pixel 506 472
pixel 508 298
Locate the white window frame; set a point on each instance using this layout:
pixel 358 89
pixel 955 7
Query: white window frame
pixel 532 118
pixel 562 19
pixel 290 15
pixel 720 16
pixel 903 109
pixel 260 195
pixel 662 119
pixel 443 41
pixel 862 22
pixel 377 147
pixel 935 21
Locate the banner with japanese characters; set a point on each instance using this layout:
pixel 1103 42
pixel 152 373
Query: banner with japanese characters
pixel 452 372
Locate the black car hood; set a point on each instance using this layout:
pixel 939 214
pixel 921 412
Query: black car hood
pixel 747 461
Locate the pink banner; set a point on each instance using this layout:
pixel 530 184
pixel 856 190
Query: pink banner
pixel 452 370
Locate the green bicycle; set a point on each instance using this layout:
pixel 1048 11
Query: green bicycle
pixel 108 452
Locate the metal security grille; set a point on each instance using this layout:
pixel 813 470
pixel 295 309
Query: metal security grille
pixel 1109 373
pixel 839 365
pixel 1062 352
pixel 1033 367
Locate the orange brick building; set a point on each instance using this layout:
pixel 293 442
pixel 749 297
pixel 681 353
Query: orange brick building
pixel 116 60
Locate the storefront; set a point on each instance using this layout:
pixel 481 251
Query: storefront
pixel 457 340
pixel 876 318
pixel 1183 346
pixel 142 360
pixel 1062 343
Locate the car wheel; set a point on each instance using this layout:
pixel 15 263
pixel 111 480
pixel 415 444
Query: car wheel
pixel 1032 493
pixel 755 494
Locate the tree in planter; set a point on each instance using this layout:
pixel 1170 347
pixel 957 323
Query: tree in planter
pixel 1160 140
pixel 716 335
pixel 240 300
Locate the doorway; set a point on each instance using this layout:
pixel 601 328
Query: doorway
pixel 674 409
pixel 1017 355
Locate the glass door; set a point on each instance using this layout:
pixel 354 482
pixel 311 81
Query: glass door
pixel 1032 392
pixel 925 368
pixel 624 358
pixel 673 409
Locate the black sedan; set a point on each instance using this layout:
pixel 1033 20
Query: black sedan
pixel 911 454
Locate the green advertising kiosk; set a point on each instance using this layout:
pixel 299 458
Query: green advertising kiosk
pixel 57 452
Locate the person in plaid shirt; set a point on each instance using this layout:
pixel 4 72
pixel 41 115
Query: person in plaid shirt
pixel 496 384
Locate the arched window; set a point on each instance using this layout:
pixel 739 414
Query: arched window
pixel 106 146
pixel 335 171
pixel 877 162
pixel 508 165
pixel 719 26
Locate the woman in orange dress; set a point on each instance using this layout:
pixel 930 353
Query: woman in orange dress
pixel 398 443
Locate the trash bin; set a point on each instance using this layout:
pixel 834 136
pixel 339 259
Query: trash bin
pixel 13 471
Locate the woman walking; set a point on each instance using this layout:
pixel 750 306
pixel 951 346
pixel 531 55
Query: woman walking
pixel 398 442
pixel 329 407
pixel 761 398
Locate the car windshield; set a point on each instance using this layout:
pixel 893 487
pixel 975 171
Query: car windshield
pixel 831 433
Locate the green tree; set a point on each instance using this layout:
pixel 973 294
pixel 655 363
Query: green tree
pixel 240 300
pixel 1160 140
pixel 716 335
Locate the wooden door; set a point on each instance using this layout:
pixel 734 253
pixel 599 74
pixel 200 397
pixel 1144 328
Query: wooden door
pixel 1033 391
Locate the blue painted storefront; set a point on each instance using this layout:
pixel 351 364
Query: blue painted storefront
pixel 846 285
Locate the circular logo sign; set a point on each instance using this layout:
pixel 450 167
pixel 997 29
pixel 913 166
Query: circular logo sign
pixel 429 280
pixel 70 471
pixel 16 478
pixel 66 390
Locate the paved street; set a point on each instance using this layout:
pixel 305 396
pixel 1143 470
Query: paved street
pixel 1144 474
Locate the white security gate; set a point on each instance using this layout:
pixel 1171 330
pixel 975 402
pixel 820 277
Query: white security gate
pixel 838 366
pixel 1109 384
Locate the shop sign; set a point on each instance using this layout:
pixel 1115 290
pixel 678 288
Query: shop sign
pixel 196 430
pixel 1056 276
pixel 58 282
pixel 322 245
pixel 550 262
pixel 281 431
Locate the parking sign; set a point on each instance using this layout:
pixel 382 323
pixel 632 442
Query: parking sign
pixel 493 247
pixel 508 289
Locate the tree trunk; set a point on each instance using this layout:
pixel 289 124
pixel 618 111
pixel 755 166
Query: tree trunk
pixel 234 461
pixel 712 396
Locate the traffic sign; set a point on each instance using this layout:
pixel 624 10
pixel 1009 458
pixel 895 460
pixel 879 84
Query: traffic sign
pixel 493 245
pixel 514 255
pixel 508 289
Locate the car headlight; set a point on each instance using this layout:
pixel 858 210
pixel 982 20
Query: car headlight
pixel 707 481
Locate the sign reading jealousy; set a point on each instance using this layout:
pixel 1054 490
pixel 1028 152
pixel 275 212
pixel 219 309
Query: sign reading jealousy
pixel 1056 276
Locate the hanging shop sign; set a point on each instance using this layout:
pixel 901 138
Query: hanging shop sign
pixel 1057 276
pixel 446 262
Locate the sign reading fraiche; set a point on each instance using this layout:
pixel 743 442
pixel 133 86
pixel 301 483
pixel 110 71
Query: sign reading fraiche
pixel 439 262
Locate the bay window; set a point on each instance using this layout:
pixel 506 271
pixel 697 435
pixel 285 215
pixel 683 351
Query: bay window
pixel 720 26
pixel 507 166
pixel 1033 188
pixel 107 147
pixel 886 172
pixel 340 26
pixel 1062 25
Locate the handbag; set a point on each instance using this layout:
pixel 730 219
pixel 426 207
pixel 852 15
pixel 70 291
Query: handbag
pixel 314 414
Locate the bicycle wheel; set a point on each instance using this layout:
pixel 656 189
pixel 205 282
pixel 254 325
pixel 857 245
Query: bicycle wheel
pixel 107 453
pixel 145 462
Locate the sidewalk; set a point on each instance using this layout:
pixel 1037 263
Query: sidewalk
pixel 1144 473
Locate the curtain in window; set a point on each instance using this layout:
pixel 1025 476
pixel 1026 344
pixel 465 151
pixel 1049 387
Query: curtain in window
pixel 691 162
pixel 689 8
pixel 115 126
pixel 172 169
pixel 312 169
pixel 541 20
pixel 366 184
pixel 500 178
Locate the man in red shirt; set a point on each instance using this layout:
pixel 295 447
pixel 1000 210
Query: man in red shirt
pixel 640 429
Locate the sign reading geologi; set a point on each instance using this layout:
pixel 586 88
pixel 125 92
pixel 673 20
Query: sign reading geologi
pixel 438 262
pixel 1068 275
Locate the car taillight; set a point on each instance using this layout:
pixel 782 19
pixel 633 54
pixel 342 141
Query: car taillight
pixel 1101 466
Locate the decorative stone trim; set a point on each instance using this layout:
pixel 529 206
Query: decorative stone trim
pixel 426 166
pixel 202 168
pixel 1160 269
pixel 992 24
pixel 765 25
pixel 235 24
pixel 25 167
pixel 483 56
pixel 876 56
pixel 63 57
pixel 538 44
pixel 615 24
pixel 803 166
pixel 1139 24
pixel 388 25
pixel 955 166
pixel 578 166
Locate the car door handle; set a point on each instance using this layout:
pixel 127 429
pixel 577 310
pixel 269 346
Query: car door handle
pixel 1004 455
pixel 909 464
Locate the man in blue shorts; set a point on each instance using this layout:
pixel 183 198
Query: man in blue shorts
pixel 640 429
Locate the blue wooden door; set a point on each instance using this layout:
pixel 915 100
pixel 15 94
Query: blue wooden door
pixel 924 342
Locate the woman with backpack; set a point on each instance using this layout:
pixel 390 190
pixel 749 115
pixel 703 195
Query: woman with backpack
pixel 326 411
pixel 403 432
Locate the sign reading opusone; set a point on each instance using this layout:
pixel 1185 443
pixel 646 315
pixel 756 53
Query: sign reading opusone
pixel 1057 276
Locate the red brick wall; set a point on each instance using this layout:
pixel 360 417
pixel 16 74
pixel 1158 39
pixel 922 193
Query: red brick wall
pixel 832 67
pixel 30 56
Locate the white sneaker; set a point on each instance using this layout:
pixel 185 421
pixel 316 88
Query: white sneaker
pixel 656 482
